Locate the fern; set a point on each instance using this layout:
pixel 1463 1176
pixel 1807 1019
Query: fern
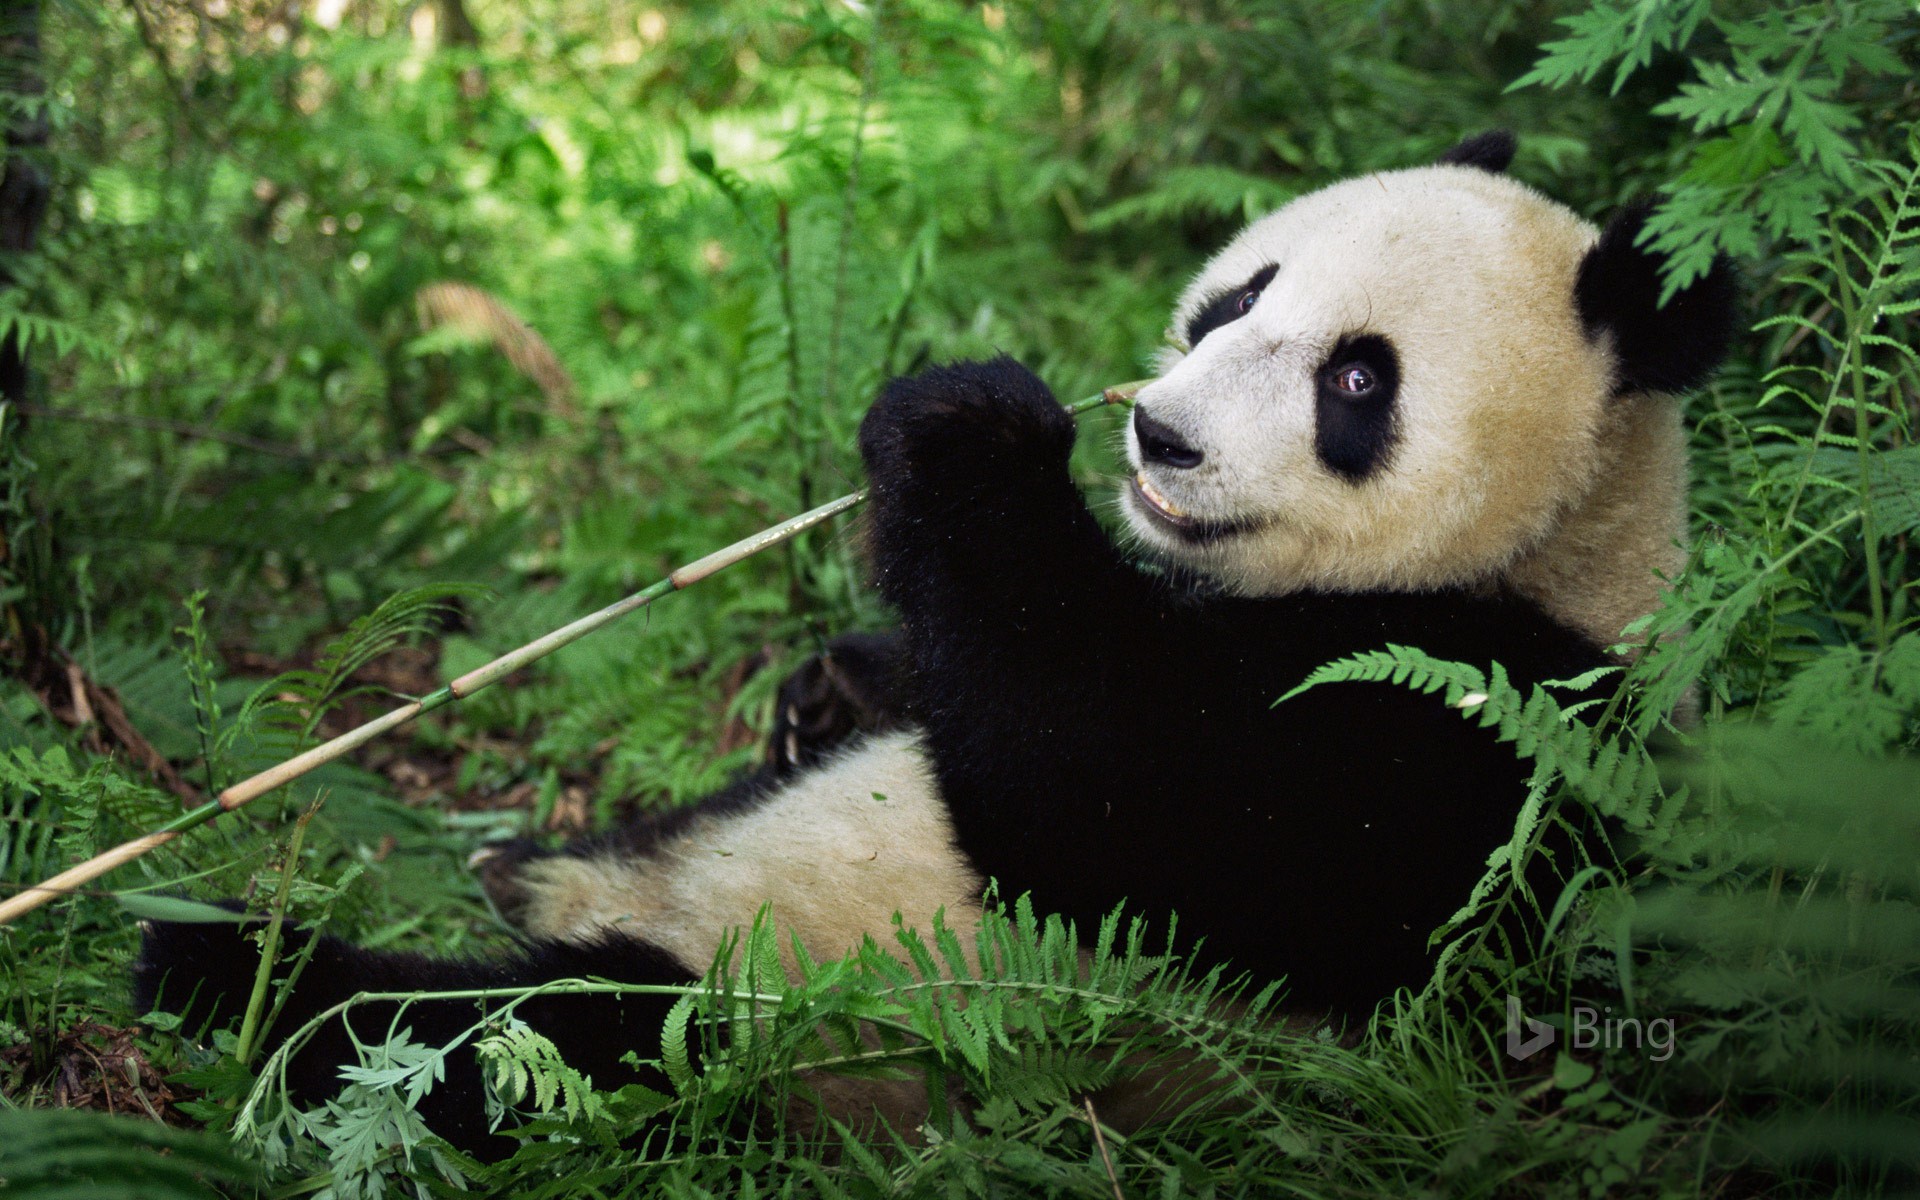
pixel 198 659
pixel 366 1136
pixel 225 310
pixel 76 806
pixel 1623 35
pixel 674 1056
pixel 1213 190
pixel 1618 780
pixel 1852 698
pixel 1785 144
pixel 1747 601
pixel 56 1154
pixel 287 709
pixel 522 1065
pixel 1785 926
pixel 27 330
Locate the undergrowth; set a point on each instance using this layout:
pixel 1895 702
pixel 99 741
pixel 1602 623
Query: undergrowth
pixel 373 340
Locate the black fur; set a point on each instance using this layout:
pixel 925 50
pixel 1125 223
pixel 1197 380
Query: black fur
pixel 1670 349
pixel 1355 435
pixel 205 972
pixel 1491 151
pixel 1224 308
pixel 1101 734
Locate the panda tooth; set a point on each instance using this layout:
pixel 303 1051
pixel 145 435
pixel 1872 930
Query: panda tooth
pixel 1155 498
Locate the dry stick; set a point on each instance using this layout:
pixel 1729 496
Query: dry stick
pixel 466 685
pixel 1100 1143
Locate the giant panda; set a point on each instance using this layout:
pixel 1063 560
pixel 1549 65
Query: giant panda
pixel 1428 407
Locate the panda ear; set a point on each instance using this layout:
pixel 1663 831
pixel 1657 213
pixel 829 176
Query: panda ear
pixel 1657 349
pixel 1490 151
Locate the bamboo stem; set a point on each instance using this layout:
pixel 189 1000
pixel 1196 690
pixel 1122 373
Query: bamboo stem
pixel 459 689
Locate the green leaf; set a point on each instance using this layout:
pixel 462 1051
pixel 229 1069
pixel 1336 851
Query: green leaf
pixel 146 906
pixel 62 1154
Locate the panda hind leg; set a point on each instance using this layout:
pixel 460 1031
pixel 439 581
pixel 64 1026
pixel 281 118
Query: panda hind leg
pixel 204 973
pixel 852 687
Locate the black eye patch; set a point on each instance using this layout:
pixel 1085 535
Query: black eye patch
pixel 1224 308
pixel 1355 427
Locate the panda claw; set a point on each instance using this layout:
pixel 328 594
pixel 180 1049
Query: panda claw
pixel 481 857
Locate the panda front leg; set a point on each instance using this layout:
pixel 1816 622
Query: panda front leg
pixel 976 525
pixel 1045 670
pixel 204 973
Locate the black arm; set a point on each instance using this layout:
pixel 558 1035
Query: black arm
pixel 1024 626
pixel 976 524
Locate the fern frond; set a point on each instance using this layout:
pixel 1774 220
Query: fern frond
pixel 1213 189
pixel 293 704
pixel 66 1154
pixel 1618 781
pixel 521 1064
pixel 37 329
pixel 674 1058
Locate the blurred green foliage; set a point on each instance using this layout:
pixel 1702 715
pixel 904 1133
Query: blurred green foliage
pixel 339 303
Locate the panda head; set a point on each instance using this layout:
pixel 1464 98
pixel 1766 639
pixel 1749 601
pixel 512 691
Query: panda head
pixel 1433 377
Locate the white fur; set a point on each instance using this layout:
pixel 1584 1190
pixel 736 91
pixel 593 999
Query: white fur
pixel 1514 461
pixel 835 853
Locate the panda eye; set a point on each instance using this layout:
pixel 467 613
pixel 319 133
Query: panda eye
pixel 1355 380
pixel 1229 304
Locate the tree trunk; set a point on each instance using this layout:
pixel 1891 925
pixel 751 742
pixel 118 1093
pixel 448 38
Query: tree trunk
pixel 23 181
pixel 458 30
pixel 23 202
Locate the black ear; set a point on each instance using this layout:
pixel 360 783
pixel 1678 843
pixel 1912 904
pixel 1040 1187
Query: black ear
pixel 1668 349
pixel 1490 151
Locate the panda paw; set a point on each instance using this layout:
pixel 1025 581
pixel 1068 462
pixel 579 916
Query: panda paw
pixel 501 869
pixel 852 687
pixel 970 421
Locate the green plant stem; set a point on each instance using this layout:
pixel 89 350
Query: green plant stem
pixel 274 1068
pixel 1858 318
pixel 466 685
pixel 250 1026
pixel 830 381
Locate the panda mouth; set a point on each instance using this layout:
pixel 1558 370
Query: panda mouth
pixel 1176 520
pixel 1158 504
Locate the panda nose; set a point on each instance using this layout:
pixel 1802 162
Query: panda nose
pixel 1162 445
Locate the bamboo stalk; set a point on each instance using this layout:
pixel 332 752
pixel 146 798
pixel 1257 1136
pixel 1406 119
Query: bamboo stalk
pixel 459 689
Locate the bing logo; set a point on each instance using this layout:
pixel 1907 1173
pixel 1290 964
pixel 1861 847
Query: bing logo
pixel 1539 1034
pixel 1590 1030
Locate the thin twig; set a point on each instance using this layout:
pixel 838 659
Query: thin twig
pixel 830 383
pixel 197 432
pixel 1100 1144
pixel 151 39
pixel 248 790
